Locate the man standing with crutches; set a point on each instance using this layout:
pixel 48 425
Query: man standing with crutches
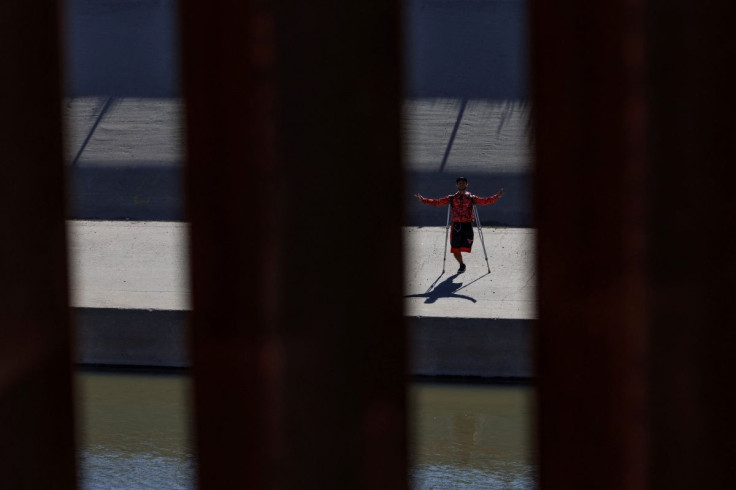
pixel 462 208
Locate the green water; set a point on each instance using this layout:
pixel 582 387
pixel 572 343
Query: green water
pixel 133 431
pixel 134 434
pixel 471 436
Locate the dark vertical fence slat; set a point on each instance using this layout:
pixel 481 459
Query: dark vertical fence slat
pixel 693 232
pixel 338 134
pixel 229 83
pixel 588 79
pixel 36 429
pixel 636 248
pixel 295 197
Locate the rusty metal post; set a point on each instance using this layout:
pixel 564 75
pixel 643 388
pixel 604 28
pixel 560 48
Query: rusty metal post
pixel 338 129
pixel 229 89
pixel 588 76
pixel 693 239
pixel 36 416
pixel 294 192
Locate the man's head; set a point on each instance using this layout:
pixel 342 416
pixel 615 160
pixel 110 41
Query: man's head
pixel 461 183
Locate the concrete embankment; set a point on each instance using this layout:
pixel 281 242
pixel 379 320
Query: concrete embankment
pixel 440 346
pixel 126 159
pixel 131 337
pixel 130 299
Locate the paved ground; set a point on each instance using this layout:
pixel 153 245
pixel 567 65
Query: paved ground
pixel 128 265
pixel 142 265
pixel 506 292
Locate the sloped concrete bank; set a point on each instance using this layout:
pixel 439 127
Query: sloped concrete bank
pixel 463 347
pixel 125 337
pixel 126 161
pixel 473 347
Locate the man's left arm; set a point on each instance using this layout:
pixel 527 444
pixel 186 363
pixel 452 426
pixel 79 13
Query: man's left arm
pixel 482 201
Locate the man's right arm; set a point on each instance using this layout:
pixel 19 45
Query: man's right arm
pixel 442 201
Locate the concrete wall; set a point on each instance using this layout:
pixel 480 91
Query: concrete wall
pixel 466 49
pixel 466 347
pixel 122 48
pixel 479 347
pixel 453 48
pixel 117 337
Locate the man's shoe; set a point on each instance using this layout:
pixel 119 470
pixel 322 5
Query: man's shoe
pixel 461 269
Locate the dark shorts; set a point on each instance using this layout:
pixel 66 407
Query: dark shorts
pixel 461 237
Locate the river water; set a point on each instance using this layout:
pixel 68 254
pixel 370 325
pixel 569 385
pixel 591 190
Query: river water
pixel 134 434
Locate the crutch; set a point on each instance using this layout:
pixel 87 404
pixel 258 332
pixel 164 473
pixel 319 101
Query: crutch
pixel 447 232
pixel 480 233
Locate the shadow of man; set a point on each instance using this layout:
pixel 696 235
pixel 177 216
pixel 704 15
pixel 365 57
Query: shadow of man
pixel 445 289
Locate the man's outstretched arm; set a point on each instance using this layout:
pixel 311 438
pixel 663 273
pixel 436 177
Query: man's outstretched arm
pixel 482 201
pixel 442 201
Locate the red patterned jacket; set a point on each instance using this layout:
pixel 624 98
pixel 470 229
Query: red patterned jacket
pixel 462 204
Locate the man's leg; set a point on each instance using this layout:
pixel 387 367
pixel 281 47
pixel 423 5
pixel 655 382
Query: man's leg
pixel 466 241
pixel 457 242
pixel 459 258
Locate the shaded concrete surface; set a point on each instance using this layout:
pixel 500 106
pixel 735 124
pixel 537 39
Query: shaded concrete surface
pixel 121 47
pixel 124 192
pixel 466 48
pixel 131 337
pixel 477 347
pixel 130 295
pixel 124 158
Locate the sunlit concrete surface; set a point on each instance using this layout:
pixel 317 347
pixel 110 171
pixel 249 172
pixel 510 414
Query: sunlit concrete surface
pixel 128 265
pixel 506 292
pixel 143 265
